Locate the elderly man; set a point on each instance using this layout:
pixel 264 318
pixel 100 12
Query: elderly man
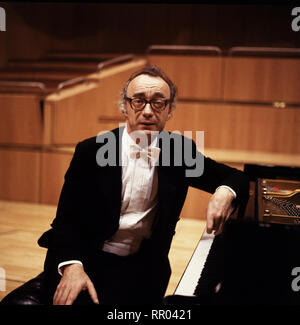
pixel 121 201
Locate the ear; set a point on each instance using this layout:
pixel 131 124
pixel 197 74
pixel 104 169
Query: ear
pixel 170 114
pixel 124 110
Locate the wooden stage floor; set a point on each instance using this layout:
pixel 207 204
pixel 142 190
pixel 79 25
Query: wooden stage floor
pixel 21 259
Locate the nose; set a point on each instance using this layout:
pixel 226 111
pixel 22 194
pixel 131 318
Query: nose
pixel 147 111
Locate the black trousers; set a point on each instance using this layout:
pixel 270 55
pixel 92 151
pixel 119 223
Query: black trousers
pixel 130 280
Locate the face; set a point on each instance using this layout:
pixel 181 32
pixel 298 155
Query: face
pixel 147 120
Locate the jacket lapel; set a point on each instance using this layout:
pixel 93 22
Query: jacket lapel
pixel 164 170
pixel 116 171
pixel 110 177
pixel 165 187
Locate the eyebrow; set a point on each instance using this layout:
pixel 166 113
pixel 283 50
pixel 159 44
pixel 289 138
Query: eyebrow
pixel 142 94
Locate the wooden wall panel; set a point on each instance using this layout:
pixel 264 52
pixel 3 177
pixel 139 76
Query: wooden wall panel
pixel 195 204
pixel 196 201
pixel 196 77
pixel 261 79
pixel 241 127
pixel 53 168
pixel 19 174
pixel 21 119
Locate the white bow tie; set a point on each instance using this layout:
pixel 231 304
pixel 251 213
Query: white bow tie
pixel 149 154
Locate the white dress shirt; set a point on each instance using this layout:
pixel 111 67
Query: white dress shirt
pixel 139 200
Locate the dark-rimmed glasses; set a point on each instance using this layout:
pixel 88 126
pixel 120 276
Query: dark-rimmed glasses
pixel 138 104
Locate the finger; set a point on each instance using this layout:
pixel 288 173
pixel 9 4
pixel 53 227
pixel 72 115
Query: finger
pixel 209 228
pixel 73 294
pixel 209 222
pixel 217 224
pixel 62 296
pixel 92 291
pixel 212 223
pixel 222 223
pixel 57 295
pixel 219 227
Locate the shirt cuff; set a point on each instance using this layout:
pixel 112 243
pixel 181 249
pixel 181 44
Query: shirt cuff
pixel 61 265
pixel 229 188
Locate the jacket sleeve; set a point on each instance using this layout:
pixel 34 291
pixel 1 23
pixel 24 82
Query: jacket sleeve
pixel 215 174
pixel 67 237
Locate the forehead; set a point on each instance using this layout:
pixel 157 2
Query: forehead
pixel 148 85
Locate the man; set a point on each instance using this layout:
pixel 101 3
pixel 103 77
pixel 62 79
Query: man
pixel 121 201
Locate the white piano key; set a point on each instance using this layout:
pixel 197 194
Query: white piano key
pixel 190 277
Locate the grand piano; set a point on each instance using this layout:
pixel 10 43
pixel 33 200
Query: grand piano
pixel 256 259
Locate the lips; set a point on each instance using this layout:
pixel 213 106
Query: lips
pixel 147 123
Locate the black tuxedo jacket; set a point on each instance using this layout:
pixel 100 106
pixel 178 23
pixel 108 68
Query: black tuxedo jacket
pixel 89 206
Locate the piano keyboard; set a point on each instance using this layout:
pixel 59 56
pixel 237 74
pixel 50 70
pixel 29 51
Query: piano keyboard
pixel 190 277
pixel 249 263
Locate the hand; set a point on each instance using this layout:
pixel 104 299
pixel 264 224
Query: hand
pixel 218 210
pixel 73 281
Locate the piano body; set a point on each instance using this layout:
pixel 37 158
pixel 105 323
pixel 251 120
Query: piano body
pixel 255 259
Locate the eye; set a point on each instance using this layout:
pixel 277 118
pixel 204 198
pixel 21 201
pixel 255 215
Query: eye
pixel 138 101
pixel 158 103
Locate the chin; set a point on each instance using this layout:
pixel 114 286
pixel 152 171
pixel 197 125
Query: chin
pixel 147 128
